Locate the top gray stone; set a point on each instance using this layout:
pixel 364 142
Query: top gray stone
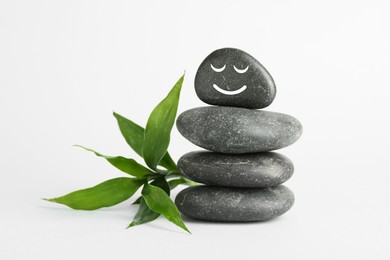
pixel 231 77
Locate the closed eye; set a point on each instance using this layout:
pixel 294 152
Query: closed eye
pixel 241 71
pixel 218 69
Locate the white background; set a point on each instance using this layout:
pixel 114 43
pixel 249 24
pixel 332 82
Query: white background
pixel 66 65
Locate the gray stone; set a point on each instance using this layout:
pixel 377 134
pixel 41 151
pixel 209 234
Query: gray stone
pixel 238 130
pixel 255 170
pixel 234 204
pixel 231 77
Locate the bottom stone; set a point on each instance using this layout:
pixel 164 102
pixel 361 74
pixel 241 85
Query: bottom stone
pixel 212 203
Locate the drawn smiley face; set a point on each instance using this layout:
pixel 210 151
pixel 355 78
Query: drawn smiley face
pixel 229 92
pixel 231 77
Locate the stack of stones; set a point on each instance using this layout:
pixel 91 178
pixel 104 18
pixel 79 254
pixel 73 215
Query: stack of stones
pixel 242 177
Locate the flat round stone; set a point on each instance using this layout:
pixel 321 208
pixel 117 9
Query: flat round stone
pixel 238 130
pixel 234 204
pixel 231 77
pixel 255 170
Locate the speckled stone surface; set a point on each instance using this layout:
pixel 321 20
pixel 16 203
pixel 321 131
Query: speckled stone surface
pixel 234 204
pixel 236 130
pixel 231 77
pixel 256 170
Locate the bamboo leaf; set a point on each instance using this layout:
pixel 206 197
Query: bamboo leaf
pixel 174 183
pixel 137 201
pixel 133 133
pixel 134 136
pixel 162 183
pixel 129 166
pixel 159 126
pixel 105 194
pixel 158 201
pixel 144 214
pixel 168 163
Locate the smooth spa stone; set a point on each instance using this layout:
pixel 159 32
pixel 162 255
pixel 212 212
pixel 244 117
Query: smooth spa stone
pixel 254 170
pixel 234 204
pixel 231 77
pixel 236 130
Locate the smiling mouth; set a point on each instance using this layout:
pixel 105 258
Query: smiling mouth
pixel 227 92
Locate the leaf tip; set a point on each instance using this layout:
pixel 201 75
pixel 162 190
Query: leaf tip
pixel 85 148
pixel 129 226
pixel 186 229
pixel 133 224
pixel 117 115
pixel 182 77
pixel 50 200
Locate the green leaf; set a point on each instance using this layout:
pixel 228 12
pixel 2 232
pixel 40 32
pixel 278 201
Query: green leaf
pixel 133 133
pixel 159 126
pixel 134 136
pixel 137 201
pixel 158 201
pixel 162 183
pixel 144 214
pixel 105 194
pixel 174 183
pixel 126 165
pixel 168 162
pixel 159 182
